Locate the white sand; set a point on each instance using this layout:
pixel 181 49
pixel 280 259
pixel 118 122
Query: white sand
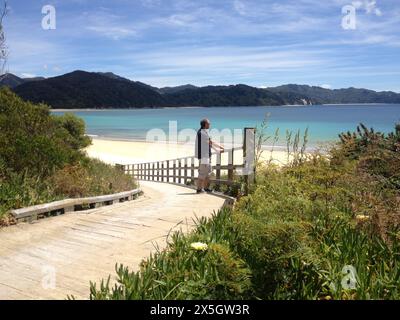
pixel 131 152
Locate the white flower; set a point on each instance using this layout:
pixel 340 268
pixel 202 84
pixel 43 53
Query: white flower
pixel 199 246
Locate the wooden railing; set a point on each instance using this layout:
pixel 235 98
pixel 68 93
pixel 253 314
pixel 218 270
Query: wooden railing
pixel 70 205
pixel 184 170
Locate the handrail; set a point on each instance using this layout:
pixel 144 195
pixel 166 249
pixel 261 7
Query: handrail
pixel 70 205
pixel 170 171
pixel 190 157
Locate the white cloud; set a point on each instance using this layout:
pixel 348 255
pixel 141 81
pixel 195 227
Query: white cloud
pixel 240 7
pixel 108 24
pixel 113 32
pixel 370 6
pixel 28 75
pixel 228 58
pixel 326 86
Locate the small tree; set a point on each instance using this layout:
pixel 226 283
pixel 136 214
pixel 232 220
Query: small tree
pixel 3 45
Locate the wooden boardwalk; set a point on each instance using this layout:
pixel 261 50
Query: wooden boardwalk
pixel 58 256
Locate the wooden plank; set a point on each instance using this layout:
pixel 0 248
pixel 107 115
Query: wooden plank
pixel 185 171
pixel 249 156
pixel 69 203
pixel 230 165
pixel 218 170
pixel 180 171
pixel 192 168
pixel 221 181
pixel 168 171
pixel 174 172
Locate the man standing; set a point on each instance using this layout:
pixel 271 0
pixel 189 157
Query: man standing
pixel 203 153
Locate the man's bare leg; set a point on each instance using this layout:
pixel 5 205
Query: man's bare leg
pixel 207 183
pixel 200 183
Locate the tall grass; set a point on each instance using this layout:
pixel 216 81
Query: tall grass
pixel 323 227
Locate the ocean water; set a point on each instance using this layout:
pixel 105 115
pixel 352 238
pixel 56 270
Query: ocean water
pixel 324 122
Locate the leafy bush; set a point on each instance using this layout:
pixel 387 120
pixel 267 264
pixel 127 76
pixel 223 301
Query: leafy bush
pixel 33 141
pixel 41 158
pixel 180 272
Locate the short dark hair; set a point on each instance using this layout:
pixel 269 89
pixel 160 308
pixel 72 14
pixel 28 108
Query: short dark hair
pixel 203 123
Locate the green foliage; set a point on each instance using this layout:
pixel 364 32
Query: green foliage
pixel 320 95
pixel 80 89
pixel 296 236
pixel 89 178
pixel 180 272
pixel 41 158
pixel 378 153
pixel 31 140
pixel 74 130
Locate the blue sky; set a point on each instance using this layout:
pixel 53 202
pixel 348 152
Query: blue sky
pixel 172 42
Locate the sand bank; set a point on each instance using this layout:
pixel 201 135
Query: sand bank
pixel 131 152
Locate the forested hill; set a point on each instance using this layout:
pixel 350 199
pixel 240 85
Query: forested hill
pixel 80 89
pixel 351 95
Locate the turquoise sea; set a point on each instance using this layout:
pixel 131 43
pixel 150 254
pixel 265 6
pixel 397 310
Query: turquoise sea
pixel 324 122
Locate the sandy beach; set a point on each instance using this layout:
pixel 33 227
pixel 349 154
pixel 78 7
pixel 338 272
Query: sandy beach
pixel 131 152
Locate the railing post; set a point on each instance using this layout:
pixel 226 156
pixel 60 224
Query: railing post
pixel 175 179
pixel 249 153
pixel 149 171
pixel 168 168
pixel 230 164
pixel 192 168
pixel 180 171
pixel 186 171
pixel 162 171
pixel 218 171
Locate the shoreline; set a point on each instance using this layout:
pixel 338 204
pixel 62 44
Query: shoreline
pixel 203 107
pixel 278 146
pixel 132 152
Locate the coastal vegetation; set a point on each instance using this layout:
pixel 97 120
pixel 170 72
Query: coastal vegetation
pixel 323 227
pixel 42 158
pixel 93 90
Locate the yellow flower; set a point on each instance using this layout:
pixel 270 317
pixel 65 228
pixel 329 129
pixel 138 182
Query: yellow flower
pixel 199 246
pixel 362 217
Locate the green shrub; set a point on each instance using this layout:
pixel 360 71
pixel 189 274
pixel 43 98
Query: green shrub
pixel 32 140
pixel 41 158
